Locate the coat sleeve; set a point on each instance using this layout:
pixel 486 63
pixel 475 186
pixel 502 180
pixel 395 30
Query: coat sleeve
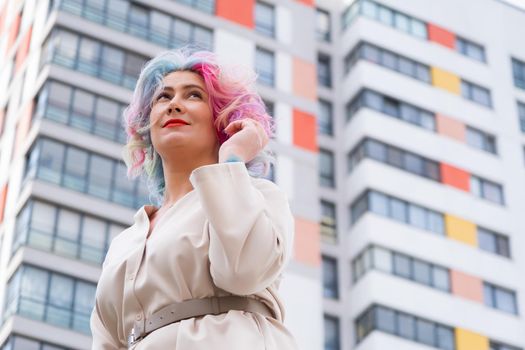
pixel 102 338
pixel 250 226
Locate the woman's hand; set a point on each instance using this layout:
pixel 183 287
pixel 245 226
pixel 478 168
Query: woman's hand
pixel 247 139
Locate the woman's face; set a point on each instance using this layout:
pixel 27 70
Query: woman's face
pixel 181 118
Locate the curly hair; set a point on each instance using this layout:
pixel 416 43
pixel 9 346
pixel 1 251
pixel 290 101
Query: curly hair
pixel 232 97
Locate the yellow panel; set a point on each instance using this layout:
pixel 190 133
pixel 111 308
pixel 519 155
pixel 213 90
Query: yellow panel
pixel 466 340
pixel 461 230
pixel 445 80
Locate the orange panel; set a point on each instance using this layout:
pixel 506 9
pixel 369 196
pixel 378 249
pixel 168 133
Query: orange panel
pixel 304 130
pixel 23 49
pixel 13 31
pixel 450 127
pixel 455 177
pixel 240 12
pixel 24 124
pixel 307 2
pixel 441 36
pixel 466 286
pixel 3 197
pixel 307 243
pixel 304 79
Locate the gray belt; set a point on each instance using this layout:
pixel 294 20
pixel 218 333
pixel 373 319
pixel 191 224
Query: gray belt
pixel 194 308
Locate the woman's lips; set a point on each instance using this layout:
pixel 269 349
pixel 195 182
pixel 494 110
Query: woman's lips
pixel 172 125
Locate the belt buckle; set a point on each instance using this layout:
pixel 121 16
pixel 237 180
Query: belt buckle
pixel 133 339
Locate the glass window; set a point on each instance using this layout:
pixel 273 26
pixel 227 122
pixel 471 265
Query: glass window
pixel 382 259
pixel 440 278
pixel 375 150
pixel 324 71
pixel 33 292
pixel 475 186
pixel 117 14
pixel 445 338
pixel 51 160
pixel 388 60
pixel 112 64
pixel 59 102
pixel 203 38
pixel 398 210
pixel 325 118
pixel 419 28
pixel 328 221
pixel 425 332
pixel 369 9
pixel 505 300
pixel 435 222
pixel 106 118
pixel 394 157
pixel 386 16
pixel 402 265
pixel 66 241
pixel 322 25
pixel 417 216
pixel 264 19
pixel 326 168
pixel 42 225
pixel 521 113
pixel 66 49
pixel 93 240
pixel 75 169
pixel 265 66
pixel 123 191
pixel 422 272
pixel 390 107
pixel 160 28
pixel 330 284
pixel 402 22
pixel 422 73
pixel 370 53
pixel 385 320
pixel 492 192
pixel 331 333
pixel 83 107
pixel 359 207
pixel 138 21
pixel 414 164
pixel 100 175
pixel 181 32
pixel 378 203
pixel 488 295
pixel 518 71
pixel 373 100
pixel 503 246
pixel 406 326
pixel 132 66
pixel 407 67
pixel 487 240
pixel 88 56
pixel 60 300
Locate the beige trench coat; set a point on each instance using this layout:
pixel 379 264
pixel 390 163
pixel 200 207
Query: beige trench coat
pixel 232 234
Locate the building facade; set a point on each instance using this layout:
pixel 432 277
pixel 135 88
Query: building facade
pixel 67 70
pixel 422 174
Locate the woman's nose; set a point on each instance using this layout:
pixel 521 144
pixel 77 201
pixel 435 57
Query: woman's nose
pixel 174 107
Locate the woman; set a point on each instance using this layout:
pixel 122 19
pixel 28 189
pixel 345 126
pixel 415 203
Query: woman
pixel 201 270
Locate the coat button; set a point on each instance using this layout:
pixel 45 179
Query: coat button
pixel 131 277
pixel 139 317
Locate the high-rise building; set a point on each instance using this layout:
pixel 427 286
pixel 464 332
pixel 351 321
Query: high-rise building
pixel 422 144
pixel 67 70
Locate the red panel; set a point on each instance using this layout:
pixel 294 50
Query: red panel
pixel 455 177
pixel 240 12
pixel 23 49
pixel 3 197
pixel 307 2
pixel 304 130
pixel 441 36
pixel 13 31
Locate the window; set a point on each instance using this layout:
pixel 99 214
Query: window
pixel 322 18
pixel 328 221
pixel 330 279
pixel 481 140
pixel 18 342
pixel 404 325
pixel 499 346
pixel 476 93
pixel 325 119
pixel 265 66
pixel 521 114
pixel 500 298
pixel 470 49
pixel 48 296
pixel 493 242
pixel 331 333
pixel 324 71
pixel 326 168
pixel 518 71
pixel 264 19
pixel 486 189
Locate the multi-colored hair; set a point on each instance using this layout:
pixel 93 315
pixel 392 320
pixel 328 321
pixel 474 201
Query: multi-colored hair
pixel 232 97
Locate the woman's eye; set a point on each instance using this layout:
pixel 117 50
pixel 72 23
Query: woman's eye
pixel 195 94
pixel 162 95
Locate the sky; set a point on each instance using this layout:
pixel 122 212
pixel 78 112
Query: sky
pixel 519 3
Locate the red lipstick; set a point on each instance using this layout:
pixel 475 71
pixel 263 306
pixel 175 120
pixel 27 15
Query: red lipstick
pixel 175 122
